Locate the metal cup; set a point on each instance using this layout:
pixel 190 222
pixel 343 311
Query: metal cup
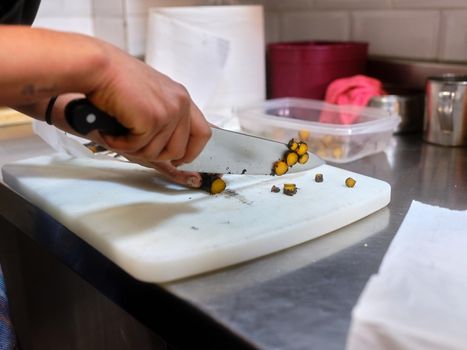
pixel 445 121
pixel 408 106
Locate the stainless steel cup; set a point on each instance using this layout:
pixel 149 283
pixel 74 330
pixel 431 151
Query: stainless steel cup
pixel 445 120
pixel 409 107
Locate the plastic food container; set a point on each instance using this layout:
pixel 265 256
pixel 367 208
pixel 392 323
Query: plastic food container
pixel 305 69
pixel 338 134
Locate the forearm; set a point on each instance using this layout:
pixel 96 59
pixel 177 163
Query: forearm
pixel 37 64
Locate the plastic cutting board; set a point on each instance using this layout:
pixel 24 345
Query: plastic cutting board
pixel 157 231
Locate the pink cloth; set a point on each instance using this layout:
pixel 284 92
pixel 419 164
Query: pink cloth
pixel 357 90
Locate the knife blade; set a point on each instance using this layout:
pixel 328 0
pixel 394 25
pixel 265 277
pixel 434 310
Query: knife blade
pixel 227 152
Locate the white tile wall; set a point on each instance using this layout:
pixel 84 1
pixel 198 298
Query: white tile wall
pixel 108 8
pixel 112 8
pixel 112 29
pixel 136 7
pixel 65 8
pixel 418 29
pixel 427 29
pixel 111 21
pixel 312 25
pixel 412 34
pixel 352 4
pixel 278 5
pixel 155 3
pixel 83 25
pixel 454 36
pixel 136 34
pixel 429 3
pixel 272 26
pixel 66 15
pixel 131 17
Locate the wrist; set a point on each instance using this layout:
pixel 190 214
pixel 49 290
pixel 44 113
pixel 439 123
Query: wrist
pixel 58 111
pixel 93 66
pixel 49 109
pixel 106 68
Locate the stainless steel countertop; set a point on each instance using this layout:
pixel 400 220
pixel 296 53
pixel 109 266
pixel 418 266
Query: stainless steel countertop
pixel 302 298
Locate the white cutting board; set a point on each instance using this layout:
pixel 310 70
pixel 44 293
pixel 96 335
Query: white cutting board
pixel 157 231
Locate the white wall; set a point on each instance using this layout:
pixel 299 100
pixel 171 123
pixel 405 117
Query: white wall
pixel 434 30
pixel 68 15
pixel 123 22
pixel 120 22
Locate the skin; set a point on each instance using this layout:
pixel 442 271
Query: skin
pixel 166 127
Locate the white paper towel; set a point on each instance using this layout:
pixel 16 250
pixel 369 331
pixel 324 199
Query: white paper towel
pixel 217 52
pixel 63 142
pixel 418 299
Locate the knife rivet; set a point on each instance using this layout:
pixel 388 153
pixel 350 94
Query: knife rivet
pixel 90 118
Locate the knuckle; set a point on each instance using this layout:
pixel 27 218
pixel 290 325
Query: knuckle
pixel 206 132
pixel 177 102
pixel 181 90
pixel 202 135
pixel 182 97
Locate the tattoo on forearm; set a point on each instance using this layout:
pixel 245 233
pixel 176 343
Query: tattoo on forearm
pixel 32 90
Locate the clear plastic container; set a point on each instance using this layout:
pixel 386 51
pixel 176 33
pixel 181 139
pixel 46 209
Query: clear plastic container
pixel 338 134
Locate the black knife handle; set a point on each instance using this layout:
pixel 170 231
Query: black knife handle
pixel 84 117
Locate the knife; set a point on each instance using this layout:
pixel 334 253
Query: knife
pixel 227 152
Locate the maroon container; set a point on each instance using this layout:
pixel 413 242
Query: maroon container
pixel 305 69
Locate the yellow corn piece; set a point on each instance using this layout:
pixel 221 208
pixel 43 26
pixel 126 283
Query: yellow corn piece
pixel 304 158
pixel 290 189
pixel 212 183
pixel 304 135
pixel 302 148
pixel 293 145
pixel 280 168
pixel 291 158
pixel 337 152
pixel 349 182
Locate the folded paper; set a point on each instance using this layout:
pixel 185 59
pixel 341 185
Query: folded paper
pixel 417 299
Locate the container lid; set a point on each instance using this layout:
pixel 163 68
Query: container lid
pixel 319 116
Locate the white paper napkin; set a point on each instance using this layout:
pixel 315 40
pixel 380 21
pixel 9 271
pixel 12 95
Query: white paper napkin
pixel 61 141
pixel 418 299
pixel 187 54
pixel 217 52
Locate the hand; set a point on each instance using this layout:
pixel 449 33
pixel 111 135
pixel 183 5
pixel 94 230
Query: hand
pixel 164 123
pixel 165 168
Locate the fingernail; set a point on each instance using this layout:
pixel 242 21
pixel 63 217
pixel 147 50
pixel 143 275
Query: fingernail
pixel 194 182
